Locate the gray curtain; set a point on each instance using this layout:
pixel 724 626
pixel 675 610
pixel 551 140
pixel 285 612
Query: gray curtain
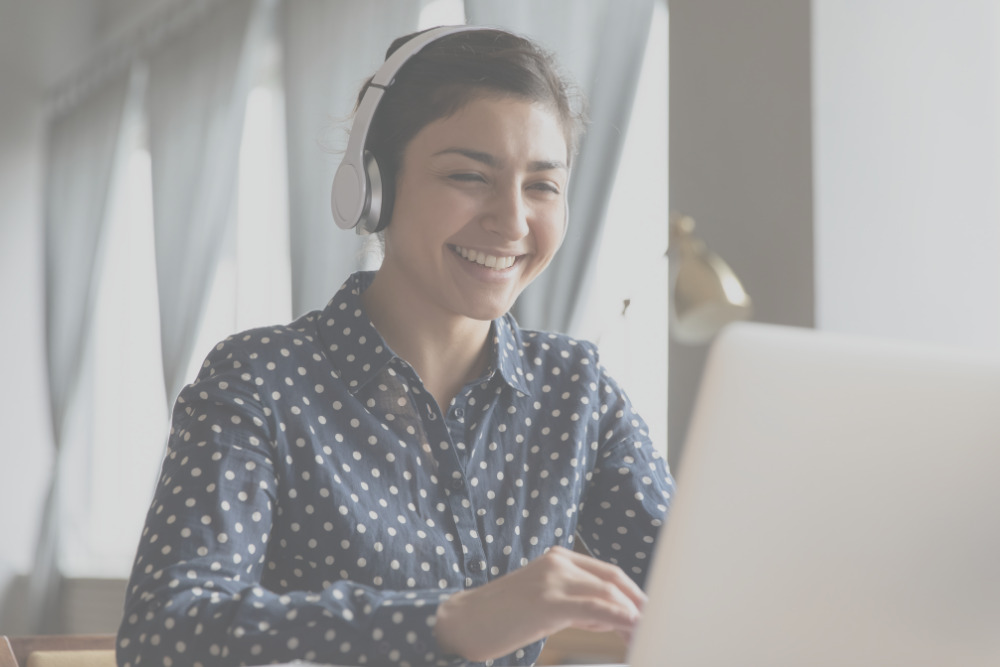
pixel 198 87
pixel 84 144
pixel 330 48
pixel 601 44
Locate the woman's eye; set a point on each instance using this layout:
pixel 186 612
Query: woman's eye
pixel 547 187
pixel 468 178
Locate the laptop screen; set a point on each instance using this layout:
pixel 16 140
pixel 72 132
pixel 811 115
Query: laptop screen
pixel 837 504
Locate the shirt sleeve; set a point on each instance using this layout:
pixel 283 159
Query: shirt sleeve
pixel 628 496
pixel 199 593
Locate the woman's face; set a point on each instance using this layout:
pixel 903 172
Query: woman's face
pixel 480 207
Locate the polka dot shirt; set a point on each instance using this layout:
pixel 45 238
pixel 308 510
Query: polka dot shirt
pixel 315 503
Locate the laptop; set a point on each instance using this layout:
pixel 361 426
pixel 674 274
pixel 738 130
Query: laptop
pixel 838 503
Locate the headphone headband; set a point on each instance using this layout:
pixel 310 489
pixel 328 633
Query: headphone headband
pixel 356 196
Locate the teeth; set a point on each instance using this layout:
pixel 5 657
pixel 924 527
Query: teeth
pixel 489 261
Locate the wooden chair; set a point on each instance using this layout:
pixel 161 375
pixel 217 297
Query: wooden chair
pixel 57 651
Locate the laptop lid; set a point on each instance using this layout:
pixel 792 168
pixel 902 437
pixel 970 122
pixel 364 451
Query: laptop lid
pixel 838 503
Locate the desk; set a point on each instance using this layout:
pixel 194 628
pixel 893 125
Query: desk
pixel 573 646
pixel 569 648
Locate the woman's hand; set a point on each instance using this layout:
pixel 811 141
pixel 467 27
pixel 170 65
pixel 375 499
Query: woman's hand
pixel 558 590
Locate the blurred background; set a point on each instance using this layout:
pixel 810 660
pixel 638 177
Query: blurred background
pixel 164 169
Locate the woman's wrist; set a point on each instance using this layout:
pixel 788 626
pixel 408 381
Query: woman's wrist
pixel 447 625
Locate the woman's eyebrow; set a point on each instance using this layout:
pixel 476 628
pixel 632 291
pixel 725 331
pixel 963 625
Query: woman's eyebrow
pixel 491 160
pixel 479 156
pixel 546 165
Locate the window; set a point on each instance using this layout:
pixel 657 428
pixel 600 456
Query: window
pixel 442 12
pixel 251 287
pixel 627 312
pixel 129 424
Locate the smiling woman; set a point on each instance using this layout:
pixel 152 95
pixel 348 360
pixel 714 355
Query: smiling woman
pixel 402 476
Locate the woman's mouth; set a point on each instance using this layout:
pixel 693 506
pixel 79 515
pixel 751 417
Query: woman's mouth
pixel 484 259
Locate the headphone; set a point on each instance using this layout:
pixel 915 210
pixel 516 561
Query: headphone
pixel 356 196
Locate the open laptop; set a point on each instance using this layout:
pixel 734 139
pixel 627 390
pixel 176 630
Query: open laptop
pixel 838 503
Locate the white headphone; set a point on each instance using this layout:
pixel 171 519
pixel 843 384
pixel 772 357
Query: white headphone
pixel 356 195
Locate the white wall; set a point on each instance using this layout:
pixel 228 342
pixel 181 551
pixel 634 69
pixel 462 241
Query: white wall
pixel 907 169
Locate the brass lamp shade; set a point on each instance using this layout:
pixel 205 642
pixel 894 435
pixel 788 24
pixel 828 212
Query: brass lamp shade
pixel 705 294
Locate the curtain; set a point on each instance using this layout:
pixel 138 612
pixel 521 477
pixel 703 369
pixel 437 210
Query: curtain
pixel 601 44
pixel 84 144
pixel 198 87
pixel 330 48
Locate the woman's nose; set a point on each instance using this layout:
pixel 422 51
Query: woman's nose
pixel 508 214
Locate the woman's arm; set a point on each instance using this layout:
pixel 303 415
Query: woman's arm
pixel 205 588
pixel 628 496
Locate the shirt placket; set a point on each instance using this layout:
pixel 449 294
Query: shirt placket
pixel 457 490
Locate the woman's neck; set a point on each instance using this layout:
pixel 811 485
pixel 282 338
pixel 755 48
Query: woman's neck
pixel 447 351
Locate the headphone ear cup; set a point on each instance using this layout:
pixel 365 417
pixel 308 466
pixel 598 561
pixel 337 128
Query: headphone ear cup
pixel 387 196
pixel 372 214
pixel 380 197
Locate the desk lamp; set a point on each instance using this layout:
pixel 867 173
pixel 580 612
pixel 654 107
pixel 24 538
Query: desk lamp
pixel 705 294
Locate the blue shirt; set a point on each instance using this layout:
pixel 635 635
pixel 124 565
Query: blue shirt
pixel 316 503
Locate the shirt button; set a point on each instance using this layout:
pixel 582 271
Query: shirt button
pixel 457 484
pixel 475 566
pixel 459 412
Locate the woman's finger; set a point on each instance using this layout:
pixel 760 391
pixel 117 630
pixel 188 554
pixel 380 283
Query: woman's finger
pixel 607 572
pixel 600 614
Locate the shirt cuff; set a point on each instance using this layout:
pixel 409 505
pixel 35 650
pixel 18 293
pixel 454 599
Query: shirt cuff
pixel 403 629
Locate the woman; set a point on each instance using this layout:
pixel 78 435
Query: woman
pixel 400 477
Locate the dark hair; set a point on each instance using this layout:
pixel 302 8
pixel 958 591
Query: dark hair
pixel 452 71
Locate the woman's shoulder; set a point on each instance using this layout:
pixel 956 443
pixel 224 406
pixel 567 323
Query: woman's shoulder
pixel 264 345
pixel 553 353
pixel 563 345
pixel 302 336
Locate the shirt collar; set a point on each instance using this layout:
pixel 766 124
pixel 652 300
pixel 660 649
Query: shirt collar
pixel 508 353
pixel 359 353
pixel 352 344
